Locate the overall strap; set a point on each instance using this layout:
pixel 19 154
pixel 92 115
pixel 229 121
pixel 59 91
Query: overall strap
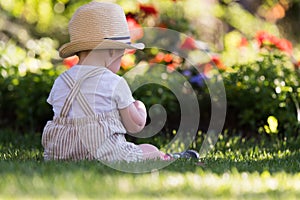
pixel 75 92
pixel 81 99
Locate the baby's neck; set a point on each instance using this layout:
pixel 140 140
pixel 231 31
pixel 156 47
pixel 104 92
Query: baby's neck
pixel 93 58
pixel 91 62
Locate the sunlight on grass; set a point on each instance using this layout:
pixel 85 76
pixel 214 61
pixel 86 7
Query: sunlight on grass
pixel 252 170
pixel 82 182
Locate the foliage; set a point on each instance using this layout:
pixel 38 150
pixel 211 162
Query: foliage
pixel 266 87
pixel 34 19
pixel 25 83
pixel 260 71
pixel 263 87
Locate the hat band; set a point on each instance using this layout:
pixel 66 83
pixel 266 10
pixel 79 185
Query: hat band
pixel 125 39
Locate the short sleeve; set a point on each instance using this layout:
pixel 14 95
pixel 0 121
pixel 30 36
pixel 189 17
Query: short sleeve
pixel 50 98
pixel 122 94
pixel 53 93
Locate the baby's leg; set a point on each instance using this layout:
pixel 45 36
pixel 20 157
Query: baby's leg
pixel 151 152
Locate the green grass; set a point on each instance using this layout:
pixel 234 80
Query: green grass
pixel 236 169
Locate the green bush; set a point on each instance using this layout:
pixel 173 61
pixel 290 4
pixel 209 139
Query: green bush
pixel 261 82
pixel 26 80
pixel 23 100
pixel 267 88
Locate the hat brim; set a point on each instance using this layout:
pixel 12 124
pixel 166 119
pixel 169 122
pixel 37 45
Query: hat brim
pixel 71 48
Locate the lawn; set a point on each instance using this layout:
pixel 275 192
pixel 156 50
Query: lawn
pixel 236 169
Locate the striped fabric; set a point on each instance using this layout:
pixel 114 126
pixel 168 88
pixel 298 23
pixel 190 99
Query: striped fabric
pixel 96 136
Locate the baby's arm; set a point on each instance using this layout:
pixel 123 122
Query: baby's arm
pixel 134 117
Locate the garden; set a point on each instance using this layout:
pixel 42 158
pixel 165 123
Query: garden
pixel 220 76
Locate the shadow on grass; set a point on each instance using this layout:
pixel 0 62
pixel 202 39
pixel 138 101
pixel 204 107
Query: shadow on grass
pixel 288 164
pixel 23 154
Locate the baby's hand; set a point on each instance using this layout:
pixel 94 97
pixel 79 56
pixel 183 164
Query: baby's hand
pixel 140 105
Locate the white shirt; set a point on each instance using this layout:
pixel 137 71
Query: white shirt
pixel 104 93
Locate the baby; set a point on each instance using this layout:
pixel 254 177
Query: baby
pixel 93 106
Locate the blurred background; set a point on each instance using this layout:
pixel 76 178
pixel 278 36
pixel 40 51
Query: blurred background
pixel 253 45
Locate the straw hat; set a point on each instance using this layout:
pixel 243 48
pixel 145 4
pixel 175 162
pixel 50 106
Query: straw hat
pixel 98 25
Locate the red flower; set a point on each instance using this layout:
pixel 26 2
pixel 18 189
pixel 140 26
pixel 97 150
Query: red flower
pixel 243 42
pixel 207 68
pixel 285 46
pixel 127 61
pixel 70 61
pixel 159 57
pixel 188 44
pixel 171 67
pixel 148 9
pixel 173 61
pixel 136 31
pixel 168 58
pixel 218 62
pixel 264 38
